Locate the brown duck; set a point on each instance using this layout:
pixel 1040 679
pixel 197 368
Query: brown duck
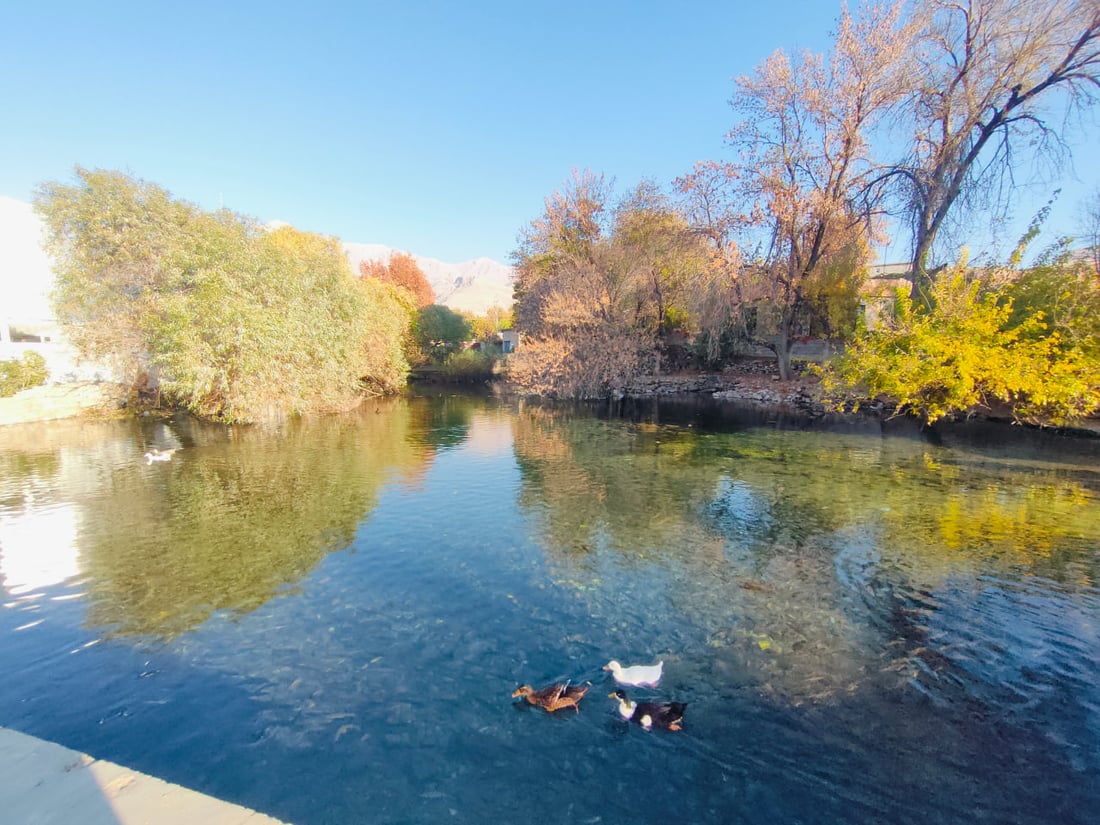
pixel 553 697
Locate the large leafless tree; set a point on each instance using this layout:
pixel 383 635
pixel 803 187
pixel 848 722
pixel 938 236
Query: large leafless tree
pixel 803 163
pixel 998 80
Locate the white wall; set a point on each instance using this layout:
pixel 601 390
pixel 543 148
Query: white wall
pixel 62 361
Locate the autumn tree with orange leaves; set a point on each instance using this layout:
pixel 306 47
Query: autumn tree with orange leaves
pixel 402 270
pixel 600 287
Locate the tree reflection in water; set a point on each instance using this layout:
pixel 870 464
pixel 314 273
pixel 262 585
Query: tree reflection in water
pixel 240 514
pixel 867 628
pixel 809 560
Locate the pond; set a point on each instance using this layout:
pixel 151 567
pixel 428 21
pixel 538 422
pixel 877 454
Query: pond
pixel 326 620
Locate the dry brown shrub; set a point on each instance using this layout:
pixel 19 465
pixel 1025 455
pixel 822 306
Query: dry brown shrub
pixel 593 366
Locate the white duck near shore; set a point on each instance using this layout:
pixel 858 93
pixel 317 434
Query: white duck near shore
pixel 158 455
pixel 637 675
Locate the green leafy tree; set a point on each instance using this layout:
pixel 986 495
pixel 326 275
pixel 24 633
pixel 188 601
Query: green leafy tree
pixel 1062 290
pixel 28 371
pixel 233 321
pixel 111 237
pixel 440 331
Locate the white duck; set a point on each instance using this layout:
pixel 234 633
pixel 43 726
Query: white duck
pixel 639 675
pixel 158 455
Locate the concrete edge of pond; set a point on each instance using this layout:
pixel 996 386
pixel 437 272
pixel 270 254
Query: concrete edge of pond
pixel 47 783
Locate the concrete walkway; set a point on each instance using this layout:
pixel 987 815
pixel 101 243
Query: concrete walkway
pixel 46 784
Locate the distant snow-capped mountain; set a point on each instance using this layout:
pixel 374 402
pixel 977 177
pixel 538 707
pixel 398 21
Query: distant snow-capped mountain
pixel 471 286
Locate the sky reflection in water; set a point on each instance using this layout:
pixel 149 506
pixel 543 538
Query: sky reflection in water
pixel 326 621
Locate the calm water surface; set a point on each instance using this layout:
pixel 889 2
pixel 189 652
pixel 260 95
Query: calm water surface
pixel 326 621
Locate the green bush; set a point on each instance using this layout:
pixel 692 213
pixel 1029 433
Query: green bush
pixel 237 321
pixel 468 365
pixel 29 371
pixel 439 331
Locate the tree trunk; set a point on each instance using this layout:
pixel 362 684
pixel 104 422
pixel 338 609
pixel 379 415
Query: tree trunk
pixel 783 354
pixel 782 345
pixel 919 279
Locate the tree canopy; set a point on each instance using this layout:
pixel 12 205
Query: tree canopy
pixel 600 287
pixel 993 87
pixel 439 331
pixel 401 270
pixel 789 216
pixel 231 320
pixel 920 111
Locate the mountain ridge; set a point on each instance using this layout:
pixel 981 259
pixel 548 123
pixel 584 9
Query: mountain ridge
pixel 470 286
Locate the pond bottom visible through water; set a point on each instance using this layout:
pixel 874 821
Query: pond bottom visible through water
pixel 326 622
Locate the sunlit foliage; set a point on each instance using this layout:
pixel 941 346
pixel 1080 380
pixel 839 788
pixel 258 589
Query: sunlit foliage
pixel 401 270
pixel 469 365
pixel 600 288
pixel 789 227
pixel 970 351
pixel 589 365
pixel 231 320
pixel 485 327
pixel 439 331
pixel 28 371
pixel 1062 289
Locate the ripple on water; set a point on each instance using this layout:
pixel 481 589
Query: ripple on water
pixel 843 662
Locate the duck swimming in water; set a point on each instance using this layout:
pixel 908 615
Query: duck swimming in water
pixel 553 697
pixel 636 675
pixel 158 455
pixel 666 715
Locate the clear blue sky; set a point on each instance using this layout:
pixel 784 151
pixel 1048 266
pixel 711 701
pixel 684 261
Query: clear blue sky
pixel 436 127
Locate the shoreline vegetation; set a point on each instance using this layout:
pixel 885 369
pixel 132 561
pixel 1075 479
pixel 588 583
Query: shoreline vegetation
pixel 238 322
pixel 752 382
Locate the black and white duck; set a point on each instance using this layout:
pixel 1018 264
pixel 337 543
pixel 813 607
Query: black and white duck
pixel 665 715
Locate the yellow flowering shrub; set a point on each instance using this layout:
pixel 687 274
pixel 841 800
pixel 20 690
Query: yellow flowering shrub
pixel 969 351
